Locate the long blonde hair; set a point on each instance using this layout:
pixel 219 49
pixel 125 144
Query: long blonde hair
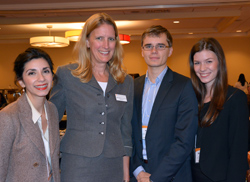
pixel 84 69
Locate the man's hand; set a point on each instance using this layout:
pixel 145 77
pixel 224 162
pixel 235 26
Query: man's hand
pixel 143 177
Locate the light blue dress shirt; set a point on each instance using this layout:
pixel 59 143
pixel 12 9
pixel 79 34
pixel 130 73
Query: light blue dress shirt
pixel 149 93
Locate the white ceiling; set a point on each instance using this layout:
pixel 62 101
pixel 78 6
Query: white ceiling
pixel 22 20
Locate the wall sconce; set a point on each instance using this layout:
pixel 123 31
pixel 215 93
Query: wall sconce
pixel 124 39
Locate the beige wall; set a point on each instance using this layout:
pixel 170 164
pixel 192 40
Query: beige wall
pixel 237 51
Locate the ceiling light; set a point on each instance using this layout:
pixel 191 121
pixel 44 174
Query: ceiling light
pixel 73 35
pixel 49 41
pixel 124 39
pixel 238 31
pixel 176 21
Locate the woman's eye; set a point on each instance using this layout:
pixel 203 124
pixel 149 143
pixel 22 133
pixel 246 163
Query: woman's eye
pixel 46 71
pixel 31 73
pixel 99 38
pixel 111 39
pixel 196 63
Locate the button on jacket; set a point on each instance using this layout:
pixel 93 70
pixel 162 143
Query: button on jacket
pixel 96 124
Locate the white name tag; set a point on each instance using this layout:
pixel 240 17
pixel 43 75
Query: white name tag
pixel 144 131
pixel 197 155
pixel 121 98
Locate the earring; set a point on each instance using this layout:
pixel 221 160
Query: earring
pixel 23 90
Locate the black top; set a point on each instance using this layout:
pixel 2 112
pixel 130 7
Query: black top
pixel 198 175
pixel 223 153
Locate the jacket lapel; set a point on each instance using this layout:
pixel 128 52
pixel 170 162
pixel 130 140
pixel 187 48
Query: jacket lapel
pixel 162 92
pixel 138 95
pixel 32 130
pixel 53 127
pixel 94 83
pixel 111 83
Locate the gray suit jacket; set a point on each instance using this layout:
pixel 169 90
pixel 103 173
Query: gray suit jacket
pixel 22 152
pixel 96 124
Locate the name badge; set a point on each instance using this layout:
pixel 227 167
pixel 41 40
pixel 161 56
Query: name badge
pixel 121 98
pixel 144 131
pixel 197 155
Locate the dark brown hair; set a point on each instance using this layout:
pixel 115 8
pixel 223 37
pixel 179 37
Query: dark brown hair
pixel 219 87
pixel 28 55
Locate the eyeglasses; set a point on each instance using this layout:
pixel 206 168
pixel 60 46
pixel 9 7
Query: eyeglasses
pixel 158 47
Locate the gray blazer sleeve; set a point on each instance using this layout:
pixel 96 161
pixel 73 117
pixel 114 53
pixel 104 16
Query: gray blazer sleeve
pixel 57 95
pixel 126 128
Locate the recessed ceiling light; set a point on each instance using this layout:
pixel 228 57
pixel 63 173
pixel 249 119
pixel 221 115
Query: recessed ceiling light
pixel 190 33
pixel 238 31
pixel 176 22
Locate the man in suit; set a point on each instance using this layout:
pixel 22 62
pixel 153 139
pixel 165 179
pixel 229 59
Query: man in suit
pixel 165 115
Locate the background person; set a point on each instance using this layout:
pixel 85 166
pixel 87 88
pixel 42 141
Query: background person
pixel 97 95
pixel 221 145
pixel 165 115
pixel 3 101
pixel 29 132
pixel 242 83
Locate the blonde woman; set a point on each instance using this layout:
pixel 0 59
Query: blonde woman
pixel 97 95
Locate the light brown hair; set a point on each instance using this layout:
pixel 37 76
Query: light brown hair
pixel 157 30
pixel 84 69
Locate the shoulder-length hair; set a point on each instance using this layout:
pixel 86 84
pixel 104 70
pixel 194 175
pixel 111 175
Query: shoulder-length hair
pixel 84 69
pixel 220 85
pixel 28 55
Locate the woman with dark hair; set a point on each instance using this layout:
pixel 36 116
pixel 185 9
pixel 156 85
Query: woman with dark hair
pixel 98 97
pixel 242 83
pixel 221 142
pixel 3 101
pixel 29 132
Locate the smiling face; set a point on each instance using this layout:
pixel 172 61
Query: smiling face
pixel 37 78
pixel 101 43
pixel 206 66
pixel 156 58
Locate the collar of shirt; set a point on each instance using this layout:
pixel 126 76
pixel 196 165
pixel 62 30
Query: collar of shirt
pixel 36 118
pixel 35 114
pixel 159 77
pixel 149 93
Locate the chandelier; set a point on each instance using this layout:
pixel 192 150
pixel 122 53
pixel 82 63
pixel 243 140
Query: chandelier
pixel 49 41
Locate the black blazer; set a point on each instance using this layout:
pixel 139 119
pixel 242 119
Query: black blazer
pixel 171 130
pixel 224 144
